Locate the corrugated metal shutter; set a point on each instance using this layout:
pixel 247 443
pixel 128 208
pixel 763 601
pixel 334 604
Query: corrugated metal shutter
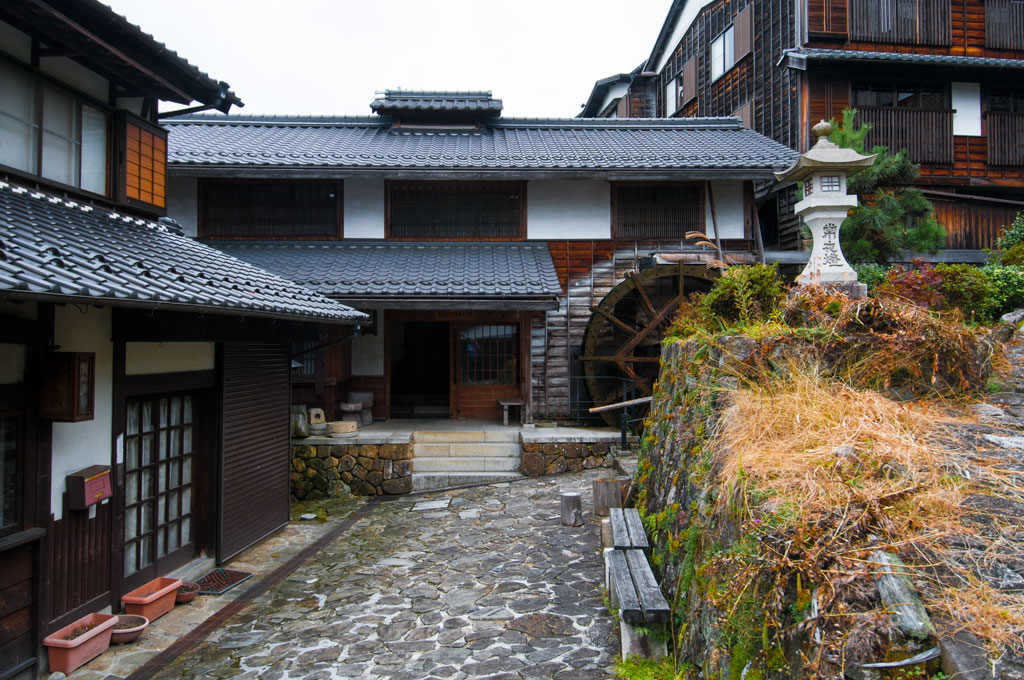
pixel 254 477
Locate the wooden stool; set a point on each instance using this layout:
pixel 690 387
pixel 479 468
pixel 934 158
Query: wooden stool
pixel 506 403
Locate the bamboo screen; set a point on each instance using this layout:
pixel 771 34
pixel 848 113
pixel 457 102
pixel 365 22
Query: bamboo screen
pixel 146 166
pixel 258 210
pixel 455 211
pixel 658 211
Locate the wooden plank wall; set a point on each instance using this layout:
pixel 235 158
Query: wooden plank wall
pixel 17 643
pixel 973 225
pixel 80 550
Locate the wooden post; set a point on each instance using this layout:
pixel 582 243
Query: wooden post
pixel 607 494
pixel 572 509
pixel 606 534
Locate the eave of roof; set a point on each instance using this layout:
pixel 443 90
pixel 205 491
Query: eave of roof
pixel 797 58
pixel 57 250
pixel 601 88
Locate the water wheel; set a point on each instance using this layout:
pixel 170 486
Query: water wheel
pixel 622 342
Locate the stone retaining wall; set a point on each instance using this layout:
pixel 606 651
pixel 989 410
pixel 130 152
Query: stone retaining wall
pixel 322 470
pixel 554 457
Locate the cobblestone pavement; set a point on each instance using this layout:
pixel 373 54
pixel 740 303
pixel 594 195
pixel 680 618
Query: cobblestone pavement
pixel 470 583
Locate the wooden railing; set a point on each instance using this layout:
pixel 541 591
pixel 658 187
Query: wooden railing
pixel 926 135
pixel 908 22
pixel 1005 138
pixel 1004 24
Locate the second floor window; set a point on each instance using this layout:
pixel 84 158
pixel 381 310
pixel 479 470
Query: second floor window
pixel 930 97
pixel 456 211
pixel 907 22
pixel 723 53
pixel 657 211
pixel 47 131
pixel 270 209
pixel 1006 100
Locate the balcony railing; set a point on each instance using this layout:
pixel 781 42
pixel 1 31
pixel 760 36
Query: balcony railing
pixel 907 22
pixel 926 135
pixel 1004 24
pixel 1005 138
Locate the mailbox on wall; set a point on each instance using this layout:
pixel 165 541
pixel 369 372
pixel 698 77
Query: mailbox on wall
pixel 88 487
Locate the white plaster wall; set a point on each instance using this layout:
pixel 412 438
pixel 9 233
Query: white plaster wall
pixel 12 363
pixel 364 208
pixel 76 76
pixel 568 209
pixel 368 354
pixel 145 358
pixel 79 445
pixel 728 209
pixel 690 11
pixel 15 43
pixel 967 103
pixel 183 202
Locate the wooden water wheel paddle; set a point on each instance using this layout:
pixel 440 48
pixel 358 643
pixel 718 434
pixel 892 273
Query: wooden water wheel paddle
pixel 623 336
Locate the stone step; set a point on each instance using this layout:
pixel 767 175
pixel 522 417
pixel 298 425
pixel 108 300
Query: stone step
pixel 463 449
pixel 432 481
pixel 510 434
pixel 465 464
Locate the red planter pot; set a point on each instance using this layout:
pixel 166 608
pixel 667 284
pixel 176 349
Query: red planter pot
pixel 187 592
pixel 152 600
pixel 120 636
pixel 67 655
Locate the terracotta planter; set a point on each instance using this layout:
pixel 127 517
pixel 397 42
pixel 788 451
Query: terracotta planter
pixel 120 636
pixel 67 655
pixel 187 592
pixel 152 600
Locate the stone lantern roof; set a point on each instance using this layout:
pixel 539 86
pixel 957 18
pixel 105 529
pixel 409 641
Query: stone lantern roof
pixel 825 156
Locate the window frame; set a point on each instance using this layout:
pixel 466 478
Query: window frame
pixel 1015 94
pixel 895 86
pixel 726 40
pixel 615 204
pixel 520 186
pixel 201 196
pixel 40 81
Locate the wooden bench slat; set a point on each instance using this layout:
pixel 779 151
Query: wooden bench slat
pixel 620 531
pixel 635 526
pixel 625 590
pixel 652 602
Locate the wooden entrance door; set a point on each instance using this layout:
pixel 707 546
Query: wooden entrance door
pixel 161 440
pixel 487 367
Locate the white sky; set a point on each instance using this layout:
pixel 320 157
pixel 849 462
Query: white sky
pixel 541 57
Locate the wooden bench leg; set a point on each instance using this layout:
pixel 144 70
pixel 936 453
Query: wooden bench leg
pixel 504 409
pixel 652 644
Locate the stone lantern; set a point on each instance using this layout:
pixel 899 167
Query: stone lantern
pixel 824 171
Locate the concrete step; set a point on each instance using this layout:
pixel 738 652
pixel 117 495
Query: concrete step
pixel 465 449
pixel 432 481
pixel 465 464
pixel 510 434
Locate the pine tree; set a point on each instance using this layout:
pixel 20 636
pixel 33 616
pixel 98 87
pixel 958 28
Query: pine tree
pixel 892 215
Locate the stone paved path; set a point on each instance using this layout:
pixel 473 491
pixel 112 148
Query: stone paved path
pixel 470 583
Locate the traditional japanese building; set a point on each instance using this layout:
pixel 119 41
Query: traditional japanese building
pixel 144 377
pixel 939 78
pixel 499 259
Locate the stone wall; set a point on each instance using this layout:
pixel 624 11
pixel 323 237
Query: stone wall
pixel 322 469
pixel 554 457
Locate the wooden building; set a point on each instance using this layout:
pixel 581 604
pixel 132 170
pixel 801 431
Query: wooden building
pixel 144 377
pixel 479 245
pixel 939 78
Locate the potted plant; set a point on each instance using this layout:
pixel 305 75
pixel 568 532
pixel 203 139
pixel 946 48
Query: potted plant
pixel 128 628
pixel 152 600
pixel 187 592
pixel 78 643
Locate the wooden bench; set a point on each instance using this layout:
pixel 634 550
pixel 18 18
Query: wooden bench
pixel 643 610
pixel 506 404
pixel 627 530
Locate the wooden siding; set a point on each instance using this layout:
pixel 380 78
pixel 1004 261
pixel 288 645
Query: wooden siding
pixel 973 224
pixel 1004 24
pixel 17 608
pixel 80 553
pixel 927 135
pixel 1005 134
pixel 908 22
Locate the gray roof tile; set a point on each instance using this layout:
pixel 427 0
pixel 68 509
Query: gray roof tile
pixel 820 54
pixel 638 145
pixel 376 269
pixel 54 248
pixel 436 101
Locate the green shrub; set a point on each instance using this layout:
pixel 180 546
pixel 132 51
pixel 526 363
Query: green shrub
pixel 871 275
pixel 744 294
pixel 967 288
pixel 1012 235
pixel 1007 289
pixel 1013 256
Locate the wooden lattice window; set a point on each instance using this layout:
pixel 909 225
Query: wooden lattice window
pixel 489 355
pixel 657 211
pixel 456 211
pixel 271 209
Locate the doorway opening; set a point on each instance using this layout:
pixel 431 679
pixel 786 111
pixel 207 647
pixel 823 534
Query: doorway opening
pixel 420 364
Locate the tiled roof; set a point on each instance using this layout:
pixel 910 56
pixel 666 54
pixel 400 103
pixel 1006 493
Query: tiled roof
pixel 640 146
pixel 376 269
pixel 435 101
pixel 819 54
pixel 55 249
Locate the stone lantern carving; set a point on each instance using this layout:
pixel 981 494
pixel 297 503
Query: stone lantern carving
pixel 824 171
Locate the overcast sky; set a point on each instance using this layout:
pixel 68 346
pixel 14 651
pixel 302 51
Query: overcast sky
pixel 541 57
